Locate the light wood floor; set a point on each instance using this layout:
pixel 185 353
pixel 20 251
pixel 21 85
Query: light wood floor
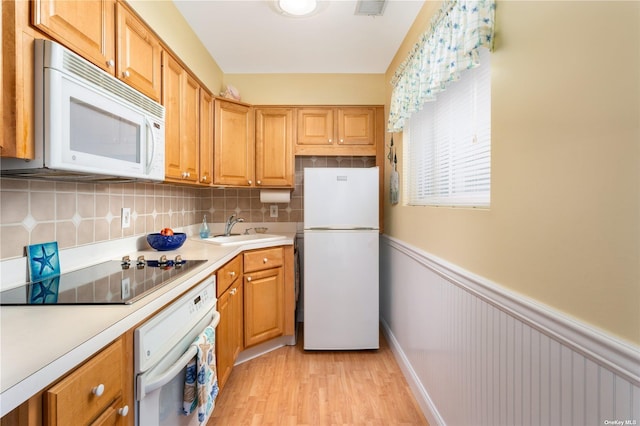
pixel 290 386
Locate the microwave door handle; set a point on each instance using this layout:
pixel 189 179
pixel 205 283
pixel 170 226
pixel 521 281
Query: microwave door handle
pixel 153 142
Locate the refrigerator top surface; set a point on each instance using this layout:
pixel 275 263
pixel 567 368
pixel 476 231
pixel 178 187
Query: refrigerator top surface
pixel 341 198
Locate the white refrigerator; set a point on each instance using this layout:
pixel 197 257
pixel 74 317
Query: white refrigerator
pixel 341 237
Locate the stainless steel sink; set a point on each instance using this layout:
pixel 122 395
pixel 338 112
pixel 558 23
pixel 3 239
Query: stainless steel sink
pixel 222 240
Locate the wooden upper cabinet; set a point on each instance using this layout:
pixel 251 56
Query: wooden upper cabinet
pixel 356 126
pixel 191 127
pixel 315 126
pixel 233 144
pixel 207 110
pixel 338 130
pixel 139 54
pixel 86 27
pixel 181 99
pixel 274 147
pixel 171 94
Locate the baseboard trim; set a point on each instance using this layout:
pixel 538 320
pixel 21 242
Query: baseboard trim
pixel 419 392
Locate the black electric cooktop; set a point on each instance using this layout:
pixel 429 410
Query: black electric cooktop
pixel 108 283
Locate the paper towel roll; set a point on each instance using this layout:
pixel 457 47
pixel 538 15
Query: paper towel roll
pixel 275 196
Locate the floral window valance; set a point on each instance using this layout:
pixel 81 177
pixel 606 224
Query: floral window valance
pixel 450 45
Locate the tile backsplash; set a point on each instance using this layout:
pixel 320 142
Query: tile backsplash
pixel 74 214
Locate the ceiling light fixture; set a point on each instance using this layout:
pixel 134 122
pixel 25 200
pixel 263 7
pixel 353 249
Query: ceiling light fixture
pixel 297 8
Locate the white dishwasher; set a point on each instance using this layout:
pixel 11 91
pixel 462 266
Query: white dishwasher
pixel 164 345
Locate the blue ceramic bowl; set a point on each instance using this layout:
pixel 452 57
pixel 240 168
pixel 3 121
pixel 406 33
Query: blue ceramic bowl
pixel 166 242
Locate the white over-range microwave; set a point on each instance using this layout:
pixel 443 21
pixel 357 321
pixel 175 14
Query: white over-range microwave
pixel 88 125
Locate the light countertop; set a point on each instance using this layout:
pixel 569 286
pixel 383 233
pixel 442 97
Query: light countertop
pixel 39 344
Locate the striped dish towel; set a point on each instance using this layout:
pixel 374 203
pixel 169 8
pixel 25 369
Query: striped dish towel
pixel 201 382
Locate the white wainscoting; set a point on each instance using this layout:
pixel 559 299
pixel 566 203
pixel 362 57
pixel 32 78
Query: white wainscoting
pixel 476 354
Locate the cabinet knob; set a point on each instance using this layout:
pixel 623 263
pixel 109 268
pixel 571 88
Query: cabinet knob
pixel 258 182
pixel 111 63
pixel 233 291
pixel 250 182
pixel 98 390
pixel 124 411
pixel 341 140
pixel 330 140
pixel 126 74
pixel 185 175
pixel 204 178
pixel 248 278
pixel 265 260
pixel 232 273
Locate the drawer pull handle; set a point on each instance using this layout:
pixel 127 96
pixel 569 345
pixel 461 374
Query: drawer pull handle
pixel 265 260
pixel 124 411
pixel 98 390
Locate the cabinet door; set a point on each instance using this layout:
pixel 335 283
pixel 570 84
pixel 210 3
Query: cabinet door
pixel 229 331
pixel 86 27
pixel 274 147
pixel 223 338
pixel 315 126
pixel 181 99
pixel 233 144
pixel 190 115
pixel 263 306
pixel 17 80
pixel 356 126
pixel 237 304
pixel 171 95
pixel 206 138
pixel 139 62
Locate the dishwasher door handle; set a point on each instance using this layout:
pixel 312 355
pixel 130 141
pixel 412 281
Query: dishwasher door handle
pixel 171 372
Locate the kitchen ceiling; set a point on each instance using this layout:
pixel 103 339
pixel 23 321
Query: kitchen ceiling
pixel 249 36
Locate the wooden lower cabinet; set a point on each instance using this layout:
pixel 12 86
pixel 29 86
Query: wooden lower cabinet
pixel 229 333
pixel 263 295
pixel 99 392
pixel 263 305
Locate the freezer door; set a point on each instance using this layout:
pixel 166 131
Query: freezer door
pixel 341 302
pixel 341 198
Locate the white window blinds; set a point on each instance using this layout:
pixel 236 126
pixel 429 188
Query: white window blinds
pixel 447 145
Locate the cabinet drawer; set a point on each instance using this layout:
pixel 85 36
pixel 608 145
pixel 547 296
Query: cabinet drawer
pixel 74 401
pixel 228 274
pixel 263 259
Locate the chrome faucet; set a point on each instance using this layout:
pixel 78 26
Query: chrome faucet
pixel 230 222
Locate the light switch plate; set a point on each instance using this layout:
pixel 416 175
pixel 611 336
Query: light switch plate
pixel 273 210
pixel 126 217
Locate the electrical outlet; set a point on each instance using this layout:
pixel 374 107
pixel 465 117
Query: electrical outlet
pixel 126 217
pixel 273 211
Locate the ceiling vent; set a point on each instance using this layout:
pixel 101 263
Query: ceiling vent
pixel 370 7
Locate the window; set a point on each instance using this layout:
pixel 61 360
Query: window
pixel 447 145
